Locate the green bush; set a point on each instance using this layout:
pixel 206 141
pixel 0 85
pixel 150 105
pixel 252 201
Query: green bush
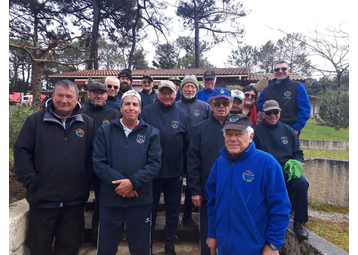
pixel 17 116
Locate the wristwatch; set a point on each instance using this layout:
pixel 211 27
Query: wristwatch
pixel 273 247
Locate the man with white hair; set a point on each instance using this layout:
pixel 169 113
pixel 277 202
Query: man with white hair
pixel 248 207
pixel 126 158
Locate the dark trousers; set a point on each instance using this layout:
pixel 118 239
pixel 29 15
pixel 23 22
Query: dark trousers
pixel 172 188
pixel 298 192
pixel 63 224
pixel 188 204
pixel 111 226
pixel 203 229
pixel 95 216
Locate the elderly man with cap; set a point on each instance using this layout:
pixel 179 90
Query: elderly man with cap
pixel 197 111
pixel 148 94
pixel 174 126
pixel 209 79
pixel 176 80
pixel 238 101
pixel 125 81
pixel 102 114
pixel 283 144
pixel 248 207
pixel 126 157
pixel 205 143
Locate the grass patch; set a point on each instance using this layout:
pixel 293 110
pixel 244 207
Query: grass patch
pixel 332 154
pixel 335 233
pixel 317 132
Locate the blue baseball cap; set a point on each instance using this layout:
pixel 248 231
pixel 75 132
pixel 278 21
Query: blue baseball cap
pixel 221 92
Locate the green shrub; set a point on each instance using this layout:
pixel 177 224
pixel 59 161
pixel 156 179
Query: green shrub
pixel 17 116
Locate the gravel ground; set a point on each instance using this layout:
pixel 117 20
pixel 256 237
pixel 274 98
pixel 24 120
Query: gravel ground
pixel 333 217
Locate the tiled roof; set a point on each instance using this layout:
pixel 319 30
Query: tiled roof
pixel 154 72
pixel 262 76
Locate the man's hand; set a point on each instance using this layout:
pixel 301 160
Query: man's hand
pixel 124 188
pixel 296 132
pixel 197 199
pixel 268 251
pixel 212 244
pixel 132 194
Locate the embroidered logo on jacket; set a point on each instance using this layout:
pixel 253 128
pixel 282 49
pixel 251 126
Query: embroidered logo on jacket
pixel 284 139
pixel 287 95
pixel 248 176
pixel 196 113
pixel 105 121
pixel 80 132
pixel 175 124
pixel 140 139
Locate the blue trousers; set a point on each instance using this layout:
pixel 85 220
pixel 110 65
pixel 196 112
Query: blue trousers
pixel 298 192
pixel 111 227
pixel 172 189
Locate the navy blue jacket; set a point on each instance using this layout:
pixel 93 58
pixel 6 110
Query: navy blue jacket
pixel 148 98
pixel 53 158
pixel 113 102
pixel 102 114
pixel 174 127
pixel 196 109
pixel 293 100
pixel 136 157
pixel 205 144
pixel 279 140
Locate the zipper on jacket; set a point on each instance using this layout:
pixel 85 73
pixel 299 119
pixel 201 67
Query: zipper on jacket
pixel 229 211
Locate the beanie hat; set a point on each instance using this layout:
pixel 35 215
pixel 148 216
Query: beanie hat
pixel 190 78
pixel 125 73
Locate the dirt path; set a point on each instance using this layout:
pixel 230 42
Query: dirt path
pixel 333 217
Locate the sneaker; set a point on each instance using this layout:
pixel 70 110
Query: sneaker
pixel 189 223
pixel 169 251
pixel 300 230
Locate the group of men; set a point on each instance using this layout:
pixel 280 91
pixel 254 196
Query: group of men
pixel 141 145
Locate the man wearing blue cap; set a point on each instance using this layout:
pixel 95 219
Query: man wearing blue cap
pixel 205 143
pixel 209 79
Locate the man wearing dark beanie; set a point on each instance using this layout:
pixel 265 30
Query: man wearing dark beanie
pixel 125 82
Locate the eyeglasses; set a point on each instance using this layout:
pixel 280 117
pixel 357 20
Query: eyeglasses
pixel 146 82
pixel 224 103
pixel 248 95
pixel 114 87
pixel 177 83
pixel 275 112
pixel 283 69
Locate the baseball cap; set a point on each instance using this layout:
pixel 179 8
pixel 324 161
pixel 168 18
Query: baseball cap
pixel 209 75
pixel 132 93
pixel 174 78
pixel 237 121
pixel 167 84
pixel 270 105
pixel 148 76
pixel 98 86
pixel 223 92
pixel 238 94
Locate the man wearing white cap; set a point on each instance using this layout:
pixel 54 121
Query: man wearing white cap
pixel 238 100
pixel 126 157
pixel 174 126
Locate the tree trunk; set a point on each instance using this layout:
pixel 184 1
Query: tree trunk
pixel 134 38
pixel 94 47
pixel 197 43
pixel 37 73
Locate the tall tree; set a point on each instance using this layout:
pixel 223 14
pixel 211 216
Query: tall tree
pixel 212 17
pixel 167 56
pixel 242 57
pixel 31 30
pixel 265 56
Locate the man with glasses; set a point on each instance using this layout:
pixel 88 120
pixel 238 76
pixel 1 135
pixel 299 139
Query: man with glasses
pixel 205 144
pixel 176 81
pixel 283 144
pixel 148 94
pixel 209 79
pixel 291 96
pixel 112 84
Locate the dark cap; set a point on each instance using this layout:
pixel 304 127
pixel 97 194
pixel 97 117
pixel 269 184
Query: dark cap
pixel 98 86
pixel 174 78
pixel 221 92
pixel 125 73
pixel 237 121
pixel 209 75
pixel 270 105
pixel 148 76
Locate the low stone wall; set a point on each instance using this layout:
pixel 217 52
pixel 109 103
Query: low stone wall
pixel 329 181
pixel 324 145
pixel 18 222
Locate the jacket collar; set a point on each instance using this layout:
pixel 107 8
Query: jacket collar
pixel 242 156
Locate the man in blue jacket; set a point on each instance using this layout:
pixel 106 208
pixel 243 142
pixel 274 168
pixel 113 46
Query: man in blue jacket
pixel 248 207
pixel 209 79
pixel 290 95
pixel 126 157
pixel 174 127
pixel 280 141
pixel 148 94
